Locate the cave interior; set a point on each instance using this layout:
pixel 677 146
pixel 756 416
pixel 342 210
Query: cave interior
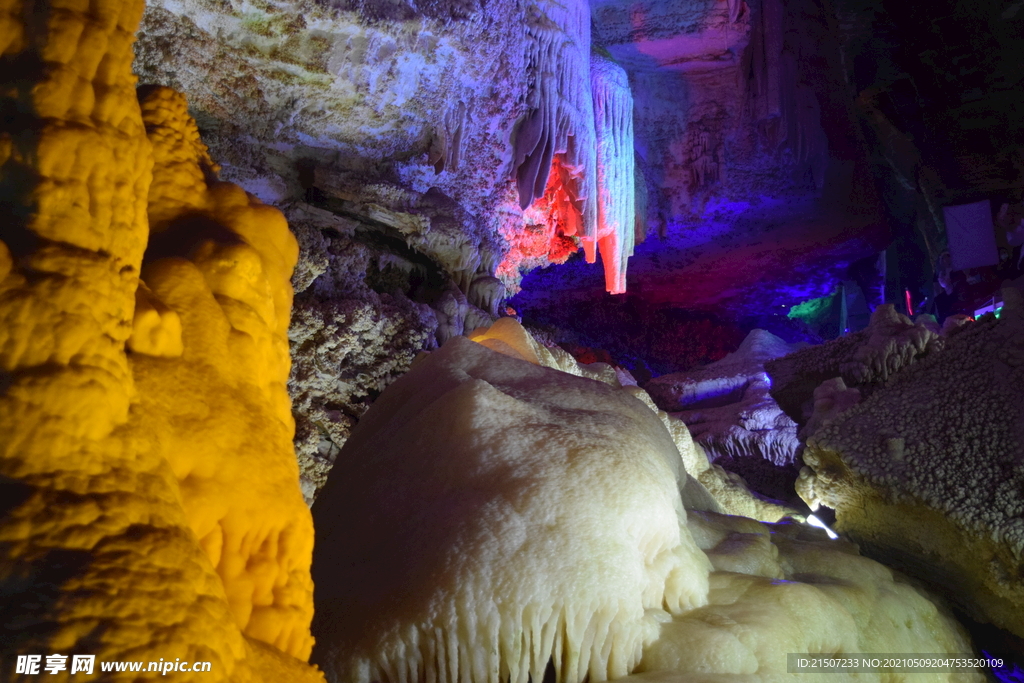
pixel 423 341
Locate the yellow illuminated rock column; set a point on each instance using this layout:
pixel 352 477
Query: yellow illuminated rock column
pixel 211 362
pixel 97 555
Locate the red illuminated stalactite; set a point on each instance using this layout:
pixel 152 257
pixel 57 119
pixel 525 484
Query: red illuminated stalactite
pixel 553 222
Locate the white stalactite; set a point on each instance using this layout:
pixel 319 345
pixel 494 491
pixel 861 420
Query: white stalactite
pixel 561 118
pixel 580 106
pixel 616 192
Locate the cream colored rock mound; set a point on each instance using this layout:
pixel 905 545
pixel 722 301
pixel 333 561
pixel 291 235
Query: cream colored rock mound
pixel 496 514
pixel 927 473
pixel 708 487
pixel 785 588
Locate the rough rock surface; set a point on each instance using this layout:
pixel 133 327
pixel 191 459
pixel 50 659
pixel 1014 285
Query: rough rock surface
pixel 400 141
pixel 727 407
pixel 353 332
pixel 386 92
pixel 863 360
pixel 927 472
pixel 131 476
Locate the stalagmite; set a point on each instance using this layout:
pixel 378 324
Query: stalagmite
pixel 727 492
pixel 613 113
pixel 105 503
pixel 220 262
pixel 494 514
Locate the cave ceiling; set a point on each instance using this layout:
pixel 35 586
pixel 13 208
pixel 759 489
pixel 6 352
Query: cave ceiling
pixel 776 142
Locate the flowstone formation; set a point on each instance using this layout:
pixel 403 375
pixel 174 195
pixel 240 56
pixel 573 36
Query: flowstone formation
pixel 211 330
pixel 466 561
pixel 727 407
pixel 151 506
pixel 708 486
pixel 780 588
pixel 927 472
pixel 546 517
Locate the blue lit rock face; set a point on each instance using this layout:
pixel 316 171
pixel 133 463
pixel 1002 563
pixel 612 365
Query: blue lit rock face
pixel 727 408
pixel 749 260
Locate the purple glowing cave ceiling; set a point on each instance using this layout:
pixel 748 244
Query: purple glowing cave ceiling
pixel 757 178
pixel 780 142
pixel 774 141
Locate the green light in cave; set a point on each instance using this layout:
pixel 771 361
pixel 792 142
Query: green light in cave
pixel 813 311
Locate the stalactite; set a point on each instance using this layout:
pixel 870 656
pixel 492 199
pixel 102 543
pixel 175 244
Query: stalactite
pixel 446 146
pixel 580 127
pixel 613 114
pixel 561 119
